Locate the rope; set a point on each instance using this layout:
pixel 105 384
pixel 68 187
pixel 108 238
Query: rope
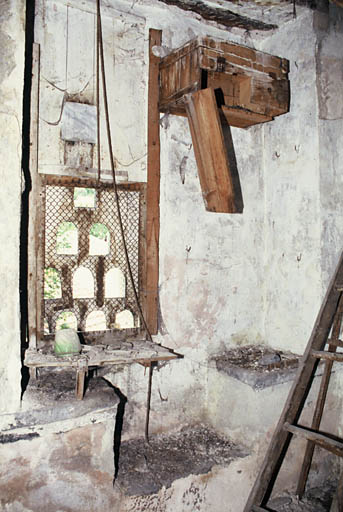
pixel 98 92
pixel 100 51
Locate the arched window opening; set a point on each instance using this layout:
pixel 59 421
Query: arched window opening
pixel 52 284
pixel 83 284
pixel 66 320
pixel 124 320
pixel 96 321
pixel 67 238
pixel 84 197
pixel 114 284
pixel 99 240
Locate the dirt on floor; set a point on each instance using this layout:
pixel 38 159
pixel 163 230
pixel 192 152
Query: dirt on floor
pixel 317 499
pixel 145 468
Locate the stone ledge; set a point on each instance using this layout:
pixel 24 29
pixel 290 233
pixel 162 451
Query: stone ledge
pixel 49 405
pixel 258 366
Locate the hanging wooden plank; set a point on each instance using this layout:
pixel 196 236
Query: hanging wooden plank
pixel 33 201
pixel 153 186
pixel 210 152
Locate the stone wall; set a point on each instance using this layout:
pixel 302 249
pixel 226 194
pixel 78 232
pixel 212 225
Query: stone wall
pixel 225 280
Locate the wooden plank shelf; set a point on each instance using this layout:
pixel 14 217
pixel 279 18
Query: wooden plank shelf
pixel 102 355
pixel 95 356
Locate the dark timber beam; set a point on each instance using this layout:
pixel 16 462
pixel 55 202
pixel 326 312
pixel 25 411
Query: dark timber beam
pixel 222 16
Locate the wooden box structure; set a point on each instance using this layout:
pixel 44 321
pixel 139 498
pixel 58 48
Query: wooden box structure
pixel 253 85
pixel 219 84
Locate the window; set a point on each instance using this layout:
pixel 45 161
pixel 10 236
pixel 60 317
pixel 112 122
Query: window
pixel 66 238
pixel 114 283
pixel 86 280
pixel 99 240
pixel 83 283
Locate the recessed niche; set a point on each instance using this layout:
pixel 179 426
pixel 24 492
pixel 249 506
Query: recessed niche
pixel 124 320
pixel 52 284
pixel 96 321
pixel 83 284
pixel 84 197
pixel 67 238
pixel 78 122
pixel 99 240
pixel 66 320
pixel 114 284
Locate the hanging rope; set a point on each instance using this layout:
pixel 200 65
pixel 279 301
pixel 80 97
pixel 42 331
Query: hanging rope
pixel 100 52
pixel 98 91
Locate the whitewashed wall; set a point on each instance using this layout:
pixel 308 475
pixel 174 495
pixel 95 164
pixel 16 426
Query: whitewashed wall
pixel 225 280
pixel 293 289
pixel 12 23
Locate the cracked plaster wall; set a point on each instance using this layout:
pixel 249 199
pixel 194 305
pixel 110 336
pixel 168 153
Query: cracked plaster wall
pixel 12 22
pixel 225 280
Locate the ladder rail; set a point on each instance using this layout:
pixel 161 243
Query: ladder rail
pixel 298 393
pixel 319 408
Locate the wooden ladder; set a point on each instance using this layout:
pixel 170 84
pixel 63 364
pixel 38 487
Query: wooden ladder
pixel 322 345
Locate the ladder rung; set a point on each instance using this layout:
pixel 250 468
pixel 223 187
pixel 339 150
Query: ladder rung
pixel 335 343
pixel 321 440
pixel 329 356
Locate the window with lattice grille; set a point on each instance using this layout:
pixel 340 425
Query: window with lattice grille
pixel 83 266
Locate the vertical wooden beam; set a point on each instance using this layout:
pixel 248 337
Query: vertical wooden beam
pixel 153 186
pixel 33 305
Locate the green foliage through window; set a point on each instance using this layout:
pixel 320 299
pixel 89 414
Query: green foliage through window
pixel 99 231
pixel 84 197
pixel 66 242
pixel 52 284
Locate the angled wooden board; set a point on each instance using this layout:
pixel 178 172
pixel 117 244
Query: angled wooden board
pixel 210 152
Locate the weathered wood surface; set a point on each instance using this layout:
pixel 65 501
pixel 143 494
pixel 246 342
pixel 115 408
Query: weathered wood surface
pixel 251 80
pixel 328 356
pixel 241 118
pixel 33 201
pixel 320 403
pixel 153 188
pixel 80 384
pixel 210 152
pixel 83 172
pixel 297 395
pixel 102 355
pixel 321 440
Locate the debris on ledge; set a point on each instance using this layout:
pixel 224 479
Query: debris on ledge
pixel 145 468
pixel 51 397
pixel 258 366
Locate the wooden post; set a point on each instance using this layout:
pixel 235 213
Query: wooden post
pixel 153 186
pixel 33 304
